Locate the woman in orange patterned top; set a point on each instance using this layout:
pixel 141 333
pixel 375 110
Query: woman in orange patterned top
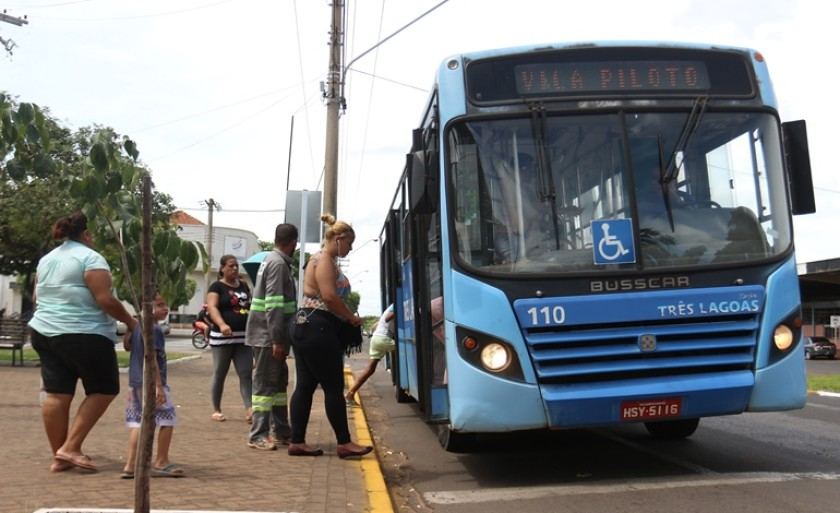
pixel 317 348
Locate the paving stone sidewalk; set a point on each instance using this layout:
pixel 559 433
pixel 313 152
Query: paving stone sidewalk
pixel 223 474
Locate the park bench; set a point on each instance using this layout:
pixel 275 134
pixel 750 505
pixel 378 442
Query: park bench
pixel 13 335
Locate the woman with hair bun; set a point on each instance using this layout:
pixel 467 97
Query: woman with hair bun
pixel 73 332
pixel 317 348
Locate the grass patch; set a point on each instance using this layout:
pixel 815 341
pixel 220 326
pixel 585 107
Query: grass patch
pixel 29 355
pixel 827 383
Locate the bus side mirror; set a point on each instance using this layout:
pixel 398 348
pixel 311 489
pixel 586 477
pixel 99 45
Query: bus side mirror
pixel 423 176
pixel 798 160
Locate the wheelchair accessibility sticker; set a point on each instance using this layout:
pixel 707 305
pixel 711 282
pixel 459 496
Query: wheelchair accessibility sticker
pixel 613 241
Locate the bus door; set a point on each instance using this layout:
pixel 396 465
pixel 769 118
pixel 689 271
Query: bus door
pixel 398 260
pixel 431 348
pixel 389 280
pixel 422 280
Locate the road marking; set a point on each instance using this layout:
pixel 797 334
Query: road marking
pixel 638 485
pixel 664 456
pixel 828 394
pixel 822 406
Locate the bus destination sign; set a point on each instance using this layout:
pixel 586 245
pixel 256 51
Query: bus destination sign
pixel 611 77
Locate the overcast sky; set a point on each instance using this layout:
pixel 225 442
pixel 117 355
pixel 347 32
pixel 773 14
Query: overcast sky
pixel 209 89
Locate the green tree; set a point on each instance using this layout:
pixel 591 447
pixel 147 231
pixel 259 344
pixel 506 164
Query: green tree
pixel 47 171
pixel 24 140
pixel 30 193
pixel 352 301
pixel 110 184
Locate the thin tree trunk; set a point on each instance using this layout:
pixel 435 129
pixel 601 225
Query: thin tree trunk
pixel 146 440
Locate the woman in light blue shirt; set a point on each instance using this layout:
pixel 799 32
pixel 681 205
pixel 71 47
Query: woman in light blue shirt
pixel 73 331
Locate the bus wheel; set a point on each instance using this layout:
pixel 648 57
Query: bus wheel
pixel 672 429
pixel 452 441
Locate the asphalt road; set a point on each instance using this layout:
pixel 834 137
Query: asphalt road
pixel 780 462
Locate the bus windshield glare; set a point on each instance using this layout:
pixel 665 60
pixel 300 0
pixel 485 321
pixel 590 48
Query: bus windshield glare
pixel 703 189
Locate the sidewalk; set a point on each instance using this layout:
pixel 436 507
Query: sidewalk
pixel 223 474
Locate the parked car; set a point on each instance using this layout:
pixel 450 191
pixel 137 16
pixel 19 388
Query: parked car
pixel 816 347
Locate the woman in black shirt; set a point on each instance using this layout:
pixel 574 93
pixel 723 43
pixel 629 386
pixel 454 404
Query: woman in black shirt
pixel 228 301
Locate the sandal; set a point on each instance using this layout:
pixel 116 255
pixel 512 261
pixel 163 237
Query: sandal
pixel 125 474
pixel 218 417
pixel 61 466
pixel 170 471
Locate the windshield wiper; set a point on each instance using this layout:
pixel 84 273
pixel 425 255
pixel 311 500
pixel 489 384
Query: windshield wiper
pixel 669 171
pixel 542 162
pixel 692 122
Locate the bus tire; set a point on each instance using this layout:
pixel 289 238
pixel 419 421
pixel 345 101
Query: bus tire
pixel 672 429
pixel 453 441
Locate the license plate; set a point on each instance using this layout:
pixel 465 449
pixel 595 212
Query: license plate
pixel 651 409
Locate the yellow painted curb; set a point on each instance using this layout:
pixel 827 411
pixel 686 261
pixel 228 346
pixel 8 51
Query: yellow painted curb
pixel 378 498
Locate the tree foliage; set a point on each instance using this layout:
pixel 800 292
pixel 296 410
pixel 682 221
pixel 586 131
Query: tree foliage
pixel 110 184
pixel 47 171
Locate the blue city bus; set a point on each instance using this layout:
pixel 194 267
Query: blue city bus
pixel 596 234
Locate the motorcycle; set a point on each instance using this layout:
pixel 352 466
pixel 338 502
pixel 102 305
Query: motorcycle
pixel 199 338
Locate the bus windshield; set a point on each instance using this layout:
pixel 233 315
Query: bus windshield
pixel 699 188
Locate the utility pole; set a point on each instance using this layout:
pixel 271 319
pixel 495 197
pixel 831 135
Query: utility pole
pixel 211 204
pixel 8 44
pixel 334 99
pixel 333 94
pixel 11 19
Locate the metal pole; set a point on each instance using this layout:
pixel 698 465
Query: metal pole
pixel 210 205
pixel 289 165
pixel 302 239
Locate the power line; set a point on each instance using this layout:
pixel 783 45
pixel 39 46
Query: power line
pixel 379 77
pixel 138 16
pixel 216 109
pixel 233 210
pixel 211 136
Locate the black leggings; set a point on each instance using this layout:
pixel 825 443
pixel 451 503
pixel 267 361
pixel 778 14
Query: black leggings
pixel 319 360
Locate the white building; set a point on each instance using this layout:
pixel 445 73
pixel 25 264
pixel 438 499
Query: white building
pixel 10 299
pixel 226 241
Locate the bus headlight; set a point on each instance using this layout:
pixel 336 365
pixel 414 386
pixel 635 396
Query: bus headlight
pixel 783 337
pixel 489 354
pixel 495 357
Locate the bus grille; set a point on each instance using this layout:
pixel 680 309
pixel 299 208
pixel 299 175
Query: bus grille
pixel 615 352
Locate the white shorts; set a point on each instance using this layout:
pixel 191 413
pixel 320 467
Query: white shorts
pixel 379 345
pixel 164 413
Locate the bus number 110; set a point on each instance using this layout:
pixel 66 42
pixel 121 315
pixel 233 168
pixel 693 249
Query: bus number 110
pixel 547 315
